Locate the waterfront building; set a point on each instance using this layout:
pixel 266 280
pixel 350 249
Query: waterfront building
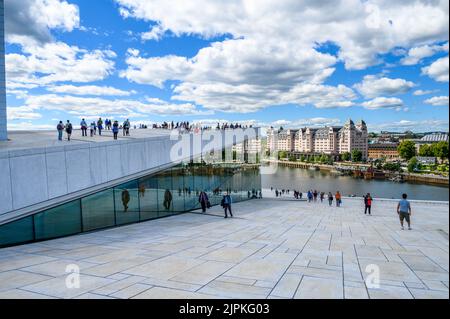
pixel 388 151
pixel 326 140
pixel 435 138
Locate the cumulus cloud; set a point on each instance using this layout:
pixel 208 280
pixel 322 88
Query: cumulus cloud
pixel 31 20
pixel 57 62
pixel 95 106
pixel 89 90
pixel 384 103
pixel 267 54
pixel 438 70
pixel 372 86
pixel 22 113
pixel 416 54
pixel 438 101
pixel 423 92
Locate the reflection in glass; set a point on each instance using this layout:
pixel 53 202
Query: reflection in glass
pixel 98 210
pixel 127 203
pixel 57 222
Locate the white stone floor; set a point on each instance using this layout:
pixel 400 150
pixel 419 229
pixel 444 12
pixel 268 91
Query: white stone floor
pixel 270 249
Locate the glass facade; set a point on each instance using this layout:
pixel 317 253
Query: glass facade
pixel 173 191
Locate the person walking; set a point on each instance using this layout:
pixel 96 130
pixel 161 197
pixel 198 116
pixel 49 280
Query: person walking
pixel 60 129
pixel 367 204
pixel 315 195
pixel 83 125
pixel 167 199
pixel 125 199
pixel 404 211
pixel 322 196
pixel 330 199
pixel 100 126
pixel 69 129
pixel 115 129
pixel 338 199
pixel 226 204
pixel 204 201
pixel 92 129
pixel 310 196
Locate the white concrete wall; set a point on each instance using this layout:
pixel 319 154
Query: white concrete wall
pixel 36 175
pixel 3 134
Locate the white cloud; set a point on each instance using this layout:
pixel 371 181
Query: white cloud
pixel 416 126
pixel 28 21
pixel 155 33
pixel 423 92
pixel 384 103
pixel 372 86
pixel 267 53
pixel 438 70
pixel 57 62
pixel 95 106
pixel 22 113
pixel 416 54
pixel 438 101
pixel 89 90
pixel 29 126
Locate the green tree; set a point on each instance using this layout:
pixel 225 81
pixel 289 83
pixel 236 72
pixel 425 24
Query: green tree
pixel 357 156
pixel 346 156
pixel 412 164
pixel 407 150
pixel 426 150
pixel 282 154
pixel 392 167
pixel 302 158
pixel 440 150
pixel 292 158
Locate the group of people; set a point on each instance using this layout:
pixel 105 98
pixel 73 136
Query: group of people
pixel 94 126
pixel 403 207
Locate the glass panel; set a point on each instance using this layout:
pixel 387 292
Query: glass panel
pixel 148 197
pixel 98 210
pixel 189 182
pixel 59 221
pixel 17 232
pixel 127 203
pixel 165 195
pixel 177 189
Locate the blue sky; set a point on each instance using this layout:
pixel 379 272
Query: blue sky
pixel 290 63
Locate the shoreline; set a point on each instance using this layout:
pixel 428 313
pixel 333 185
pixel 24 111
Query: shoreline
pixel 409 178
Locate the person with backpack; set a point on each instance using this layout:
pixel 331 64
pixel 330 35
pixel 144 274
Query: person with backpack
pixel 92 128
pixel 125 199
pixel 167 199
pixel 83 125
pixel 60 129
pixel 115 129
pixel 404 211
pixel 204 201
pixel 100 126
pixel 310 196
pixel 367 204
pixel 330 199
pixel 226 204
pixel 69 129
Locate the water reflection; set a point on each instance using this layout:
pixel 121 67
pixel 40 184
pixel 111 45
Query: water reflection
pixel 305 179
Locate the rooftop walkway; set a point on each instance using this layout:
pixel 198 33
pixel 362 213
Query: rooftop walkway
pixel 270 249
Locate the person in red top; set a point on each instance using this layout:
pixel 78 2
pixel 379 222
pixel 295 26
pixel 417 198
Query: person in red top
pixel 368 204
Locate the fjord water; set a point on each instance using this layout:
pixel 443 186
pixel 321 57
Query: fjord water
pixel 304 179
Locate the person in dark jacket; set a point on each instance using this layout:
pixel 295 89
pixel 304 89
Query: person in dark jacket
pixel 115 129
pixel 226 204
pixel 167 199
pixel 60 129
pixel 203 200
pixel 69 129
pixel 125 199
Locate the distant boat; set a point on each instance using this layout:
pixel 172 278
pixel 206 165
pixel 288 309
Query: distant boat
pixel 314 168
